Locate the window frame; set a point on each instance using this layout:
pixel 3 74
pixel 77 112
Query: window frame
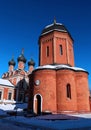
pixel 1 94
pixel 61 49
pixel 9 96
pixel 68 91
pixel 47 51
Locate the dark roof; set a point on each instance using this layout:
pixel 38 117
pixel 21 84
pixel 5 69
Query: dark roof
pixel 31 62
pixel 55 27
pixel 21 58
pixel 11 62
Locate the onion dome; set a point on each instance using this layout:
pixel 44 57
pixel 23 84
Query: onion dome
pixel 55 27
pixel 31 62
pixel 21 58
pixel 11 62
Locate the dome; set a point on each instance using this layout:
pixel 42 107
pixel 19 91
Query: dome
pixel 11 62
pixel 31 62
pixel 21 58
pixel 55 27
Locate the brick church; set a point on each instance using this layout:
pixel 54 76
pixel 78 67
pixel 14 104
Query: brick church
pixel 15 82
pixel 56 85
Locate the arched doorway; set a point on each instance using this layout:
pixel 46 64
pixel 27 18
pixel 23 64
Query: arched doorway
pixel 37 104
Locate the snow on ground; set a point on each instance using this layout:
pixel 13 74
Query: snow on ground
pixel 54 125
pixel 12 107
pixel 11 126
pixel 6 107
pixel 58 122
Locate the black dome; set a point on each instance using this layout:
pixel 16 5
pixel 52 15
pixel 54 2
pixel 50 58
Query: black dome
pixel 21 58
pixel 55 27
pixel 31 62
pixel 11 62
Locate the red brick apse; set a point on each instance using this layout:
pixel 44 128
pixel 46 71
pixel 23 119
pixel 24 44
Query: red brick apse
pixel 58 86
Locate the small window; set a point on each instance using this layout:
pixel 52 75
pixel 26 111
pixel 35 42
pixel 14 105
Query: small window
pixel 47 51
pixel 68 89
pixel 9 95
pixel 61 50
pixel 0 95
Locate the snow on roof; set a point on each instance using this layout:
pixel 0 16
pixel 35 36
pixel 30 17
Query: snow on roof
pixel 52 25
pixel 53 30
pixel 6 82
pixel 56 67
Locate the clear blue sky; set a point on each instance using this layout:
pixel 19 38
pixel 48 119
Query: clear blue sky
pixel 21 22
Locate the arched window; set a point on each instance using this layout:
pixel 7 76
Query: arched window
pixel 68 90
pixel 47 51
pixel 0 94
pixel 10 95
pixel 61 50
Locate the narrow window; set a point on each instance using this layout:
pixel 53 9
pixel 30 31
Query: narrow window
pixel 21 97
pixel 61 50
pixel 0 95
pixel 9 95
pixel 47 51
pixel 68 89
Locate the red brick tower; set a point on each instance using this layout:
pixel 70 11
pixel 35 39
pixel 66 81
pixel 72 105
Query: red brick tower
pixel 56 45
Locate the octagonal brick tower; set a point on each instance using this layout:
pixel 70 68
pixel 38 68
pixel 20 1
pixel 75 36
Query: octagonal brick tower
pixel 56 45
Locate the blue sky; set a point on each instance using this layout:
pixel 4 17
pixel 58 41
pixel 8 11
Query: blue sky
pixel 21 22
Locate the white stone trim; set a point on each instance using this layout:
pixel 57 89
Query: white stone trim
pixel 2 90
pixel 10 91
pixel 67 49
pixel 54 53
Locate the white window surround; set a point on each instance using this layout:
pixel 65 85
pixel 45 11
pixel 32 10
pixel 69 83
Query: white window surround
pixel 1 90
pixel 10 91
pixel 35 100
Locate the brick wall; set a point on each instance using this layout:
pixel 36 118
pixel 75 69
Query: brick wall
pixel 53 90
pixel 82 91
pixel 53 41
pixel 46 88
pixel 65 103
